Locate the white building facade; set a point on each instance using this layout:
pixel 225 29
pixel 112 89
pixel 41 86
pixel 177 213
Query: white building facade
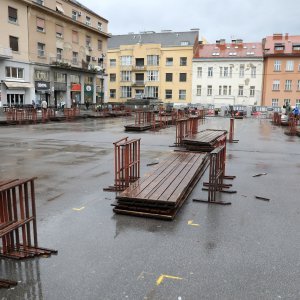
pixel 228 74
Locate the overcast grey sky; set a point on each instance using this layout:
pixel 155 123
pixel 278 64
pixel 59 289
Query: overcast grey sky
pixel 250 20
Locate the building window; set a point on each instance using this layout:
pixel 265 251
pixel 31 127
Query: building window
pixel 152 60
pixel 88 58
pixel 59 31
pixel 15 99
pixel 198 90
pixel 41 75
pixel 277 65
pixel 184 43
pixel 229 90
pixel 88 41
pixel 125 75
pixel 152 75
pixel 60 77
pixel 274 102
pixel 183 61
pixel 16 73
pixel 12 15
pixel 14 43
pixel 182 94
pixel 75 58
pixel 151 91
pixel 242 71
pixel 112 93
pixel 112 77
pixel 289 65
pixel 225 90
pixel 59 53
pixel 199 72
pixel 40 25
pixel 125 92
pixel 298 85
pixel 182 77
pixel 169 61
pixel 225 72
pixel 253 72
pixel 241 90
pixel 288 85
pixel 210 72
pixel 40 2
pixel 74 15
pixel 88 21
pixel 126 60
pixel 75 38
pixel 99 26
pixel 276 85
pixel 252 91
pixel 168 94
pixel 100 45
pixel 209 90
pixel 220 90
pixel 287 101
pixel 41 49
pixel 169 77
pixel 298 102
pixel 112 62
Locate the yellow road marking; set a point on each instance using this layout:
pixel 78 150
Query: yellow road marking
pixel 162 277
pixel 192 224
pixel 79 209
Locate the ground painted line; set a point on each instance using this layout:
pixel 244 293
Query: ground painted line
pixel 79 209
pixel 192 224
pixel 162 277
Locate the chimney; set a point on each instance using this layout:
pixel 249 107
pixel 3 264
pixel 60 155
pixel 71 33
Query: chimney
pixel 286 36
pixel 277 36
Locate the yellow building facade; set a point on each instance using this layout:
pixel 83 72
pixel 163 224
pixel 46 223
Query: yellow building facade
pixel 159 70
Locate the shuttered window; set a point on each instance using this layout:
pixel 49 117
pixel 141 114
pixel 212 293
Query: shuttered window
pixel 59 31
pixel 75 36
pixel 40 24
pixel 12 14
pixel 14 43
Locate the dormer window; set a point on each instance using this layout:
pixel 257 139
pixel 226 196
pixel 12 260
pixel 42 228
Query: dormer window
pixel 296 47
pixel 279 47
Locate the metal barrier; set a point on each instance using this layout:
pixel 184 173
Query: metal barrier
pixel 20 116
pixel 18 227
pixel 127 163
pixel 293 123
pixel 276 118
pixel 217 176
pixel 185 128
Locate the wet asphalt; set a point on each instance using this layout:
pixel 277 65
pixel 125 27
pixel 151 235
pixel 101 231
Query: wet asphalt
pixel 249 250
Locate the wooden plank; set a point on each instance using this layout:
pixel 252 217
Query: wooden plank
pixel 173 180
pixel 140 185
pixel 181 182
pixel 153 191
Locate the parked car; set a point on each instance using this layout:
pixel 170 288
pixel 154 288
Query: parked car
pixel 284 120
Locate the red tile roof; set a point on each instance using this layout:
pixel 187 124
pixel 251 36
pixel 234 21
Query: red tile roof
pixel 229 50
pixel 281 39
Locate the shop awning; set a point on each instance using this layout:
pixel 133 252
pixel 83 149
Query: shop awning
pixel 18 85
pixel 59 8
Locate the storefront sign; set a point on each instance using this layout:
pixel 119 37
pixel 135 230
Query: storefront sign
pixel 42 86
pixel 88 88
pixel 76 87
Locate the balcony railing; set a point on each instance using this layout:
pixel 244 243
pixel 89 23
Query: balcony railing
pixel 5 53
pixel 139 68
pixel 138 83
pixel 76 64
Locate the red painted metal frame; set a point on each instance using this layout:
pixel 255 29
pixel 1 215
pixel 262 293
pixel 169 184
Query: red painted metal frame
pixel 127 163
pixel 186 128
pixel 18 228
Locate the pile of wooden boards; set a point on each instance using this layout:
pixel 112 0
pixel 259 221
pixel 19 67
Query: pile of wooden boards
pixel 161 193
pixel 205 141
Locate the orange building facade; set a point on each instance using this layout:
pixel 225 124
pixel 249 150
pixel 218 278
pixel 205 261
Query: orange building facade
pixel 281 81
